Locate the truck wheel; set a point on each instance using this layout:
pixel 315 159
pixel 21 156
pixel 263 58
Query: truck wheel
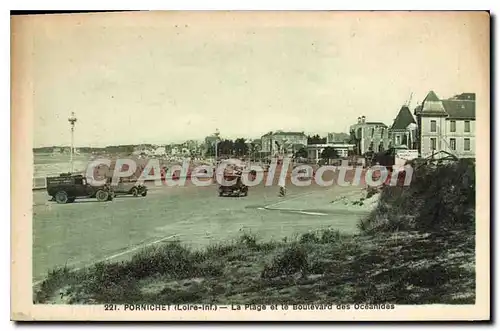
pixel 134 191
pixel 61 197
pixel 144 193
pixel 102 195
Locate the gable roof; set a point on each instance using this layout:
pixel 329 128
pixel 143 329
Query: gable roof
pixel 403 119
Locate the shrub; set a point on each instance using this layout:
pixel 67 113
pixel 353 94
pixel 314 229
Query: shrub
pixel 172 259
pixel 309 237
pixel 249 240
pixel 292 260
pixel 218 250
pixel 323 236
pixel 330 236
pixel 439 198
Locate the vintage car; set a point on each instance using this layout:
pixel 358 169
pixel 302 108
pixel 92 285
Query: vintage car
pixel 233 186
pixel 129 187
pixel 231 171
pixel 67 187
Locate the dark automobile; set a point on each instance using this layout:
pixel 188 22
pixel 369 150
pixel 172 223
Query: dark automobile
pixel 235 189
pixel 68 187
pixel 125 187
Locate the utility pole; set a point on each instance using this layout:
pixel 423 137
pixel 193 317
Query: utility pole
pixel 72 121
pixel 249 153
pixel 216 134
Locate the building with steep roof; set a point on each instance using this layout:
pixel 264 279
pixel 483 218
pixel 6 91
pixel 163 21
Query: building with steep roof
pixel 447 125
pixel 402 133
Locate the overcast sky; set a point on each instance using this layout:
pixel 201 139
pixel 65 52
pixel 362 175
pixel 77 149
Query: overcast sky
pixel 165 77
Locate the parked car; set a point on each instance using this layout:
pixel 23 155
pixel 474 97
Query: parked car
pixel 130 187
pixel 67 187
pixel 236 189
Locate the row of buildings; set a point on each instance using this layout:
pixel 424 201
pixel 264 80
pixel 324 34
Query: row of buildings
pixel 436 125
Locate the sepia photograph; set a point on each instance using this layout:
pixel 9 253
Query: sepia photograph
pixel 225 165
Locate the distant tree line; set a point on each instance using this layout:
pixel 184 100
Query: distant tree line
pixel 316 139
pixel 237 147
pixel 338 137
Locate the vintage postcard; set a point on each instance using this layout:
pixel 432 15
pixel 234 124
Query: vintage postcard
pixel 251 166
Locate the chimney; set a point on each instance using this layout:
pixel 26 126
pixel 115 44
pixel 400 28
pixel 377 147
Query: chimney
pixel 363 118
pixel 359 120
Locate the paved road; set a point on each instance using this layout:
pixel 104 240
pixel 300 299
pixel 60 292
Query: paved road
pixel 83 232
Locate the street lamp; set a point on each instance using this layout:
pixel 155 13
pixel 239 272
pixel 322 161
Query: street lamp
pixel 216 134
pixel 248 142
pixel 72 121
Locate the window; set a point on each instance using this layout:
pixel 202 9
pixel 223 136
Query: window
pixel 433 144
pixel 467 126
pixel 453 144
pixel 433 126
pixel 398 140
pixel 453 126
pixel 466 144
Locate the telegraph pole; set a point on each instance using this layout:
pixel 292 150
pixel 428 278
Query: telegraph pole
pixel 216 134
pixel 72 121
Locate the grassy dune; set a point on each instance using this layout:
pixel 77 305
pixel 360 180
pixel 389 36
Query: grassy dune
pixel 417 247
pixel 322 267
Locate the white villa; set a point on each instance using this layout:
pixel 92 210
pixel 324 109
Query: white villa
pixel 447 125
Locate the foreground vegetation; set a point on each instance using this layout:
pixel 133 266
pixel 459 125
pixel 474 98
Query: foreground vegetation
pixel 417 246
